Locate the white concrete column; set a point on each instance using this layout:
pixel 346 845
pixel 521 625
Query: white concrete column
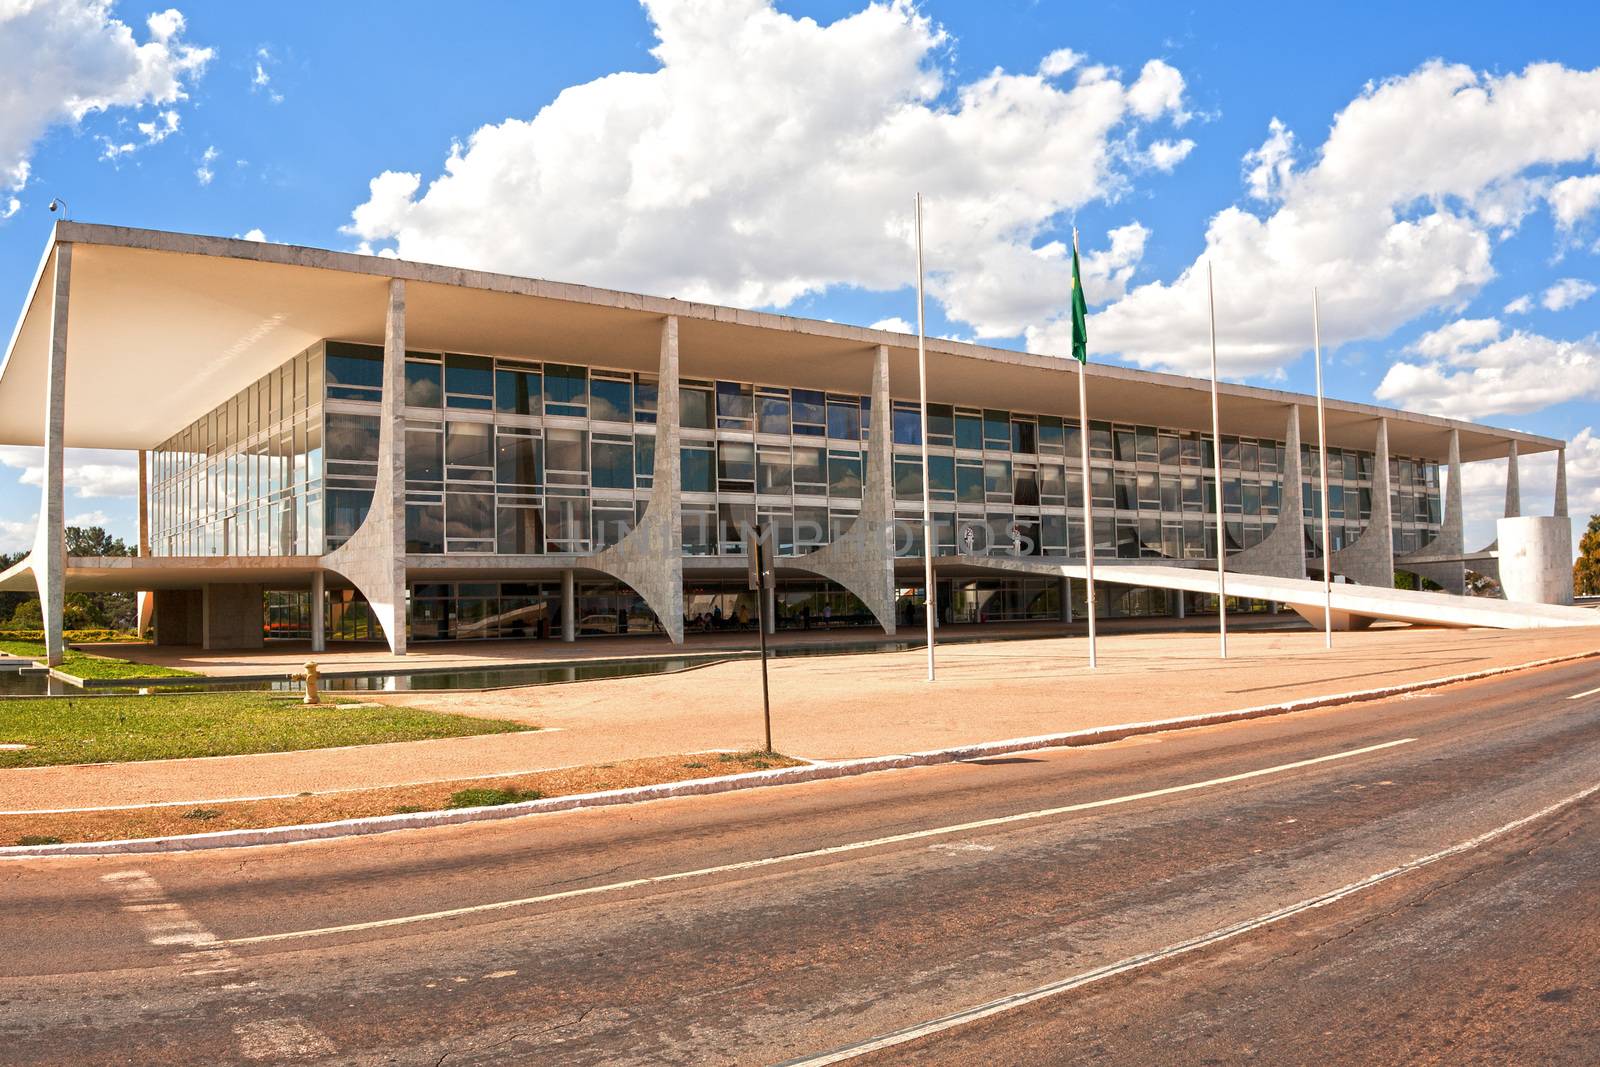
pixel 50 546
pixel 1182 608
pixel 569 607
pixel 1560 511
pixel 319 603
pixel 1513 484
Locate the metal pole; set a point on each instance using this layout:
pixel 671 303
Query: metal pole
pixel 1216 460
pixel 1088 503
pixel 762 578
pixel 1322 463
pixel 930 589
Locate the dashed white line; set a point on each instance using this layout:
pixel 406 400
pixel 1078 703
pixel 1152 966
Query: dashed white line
pixel 818 853
pixel 1145 959
pixel 1585 693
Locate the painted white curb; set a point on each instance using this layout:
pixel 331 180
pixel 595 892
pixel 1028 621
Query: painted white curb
pixel 280 835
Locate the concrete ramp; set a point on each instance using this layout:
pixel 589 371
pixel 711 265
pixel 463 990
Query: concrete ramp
pixel 1354 606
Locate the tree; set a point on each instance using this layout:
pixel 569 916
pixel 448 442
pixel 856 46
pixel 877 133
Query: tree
pixel 1586 570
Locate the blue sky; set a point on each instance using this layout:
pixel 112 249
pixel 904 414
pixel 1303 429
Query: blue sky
pixel 1424 225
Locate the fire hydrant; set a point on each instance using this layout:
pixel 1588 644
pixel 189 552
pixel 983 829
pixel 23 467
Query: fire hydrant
pixel 309 676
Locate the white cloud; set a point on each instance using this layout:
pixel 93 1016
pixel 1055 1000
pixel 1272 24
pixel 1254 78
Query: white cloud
pixel 1164 155
pixel 895 324
pixel 1059 62
pixel 1471 371
pixel 88 518
pixel 1393 218
pixel 61 60
pixel 1567 292
pixel 13 205
pixel 261 81
pixel 16 535
pixel 203 173
pixel 650 181
pixel 1520 306
pixel 252 235
pixel 91 472
pixel 1572 199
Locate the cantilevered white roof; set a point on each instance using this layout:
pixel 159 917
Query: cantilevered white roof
pixel 162 327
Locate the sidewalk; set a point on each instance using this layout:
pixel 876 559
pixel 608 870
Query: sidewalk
pixel 827 708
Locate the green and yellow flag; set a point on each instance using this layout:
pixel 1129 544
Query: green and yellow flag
pixel 1080 310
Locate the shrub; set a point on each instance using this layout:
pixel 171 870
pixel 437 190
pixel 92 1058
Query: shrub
pixel 38 839
pixel 487 798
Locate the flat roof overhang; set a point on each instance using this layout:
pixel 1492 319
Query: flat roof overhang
pixel 163 327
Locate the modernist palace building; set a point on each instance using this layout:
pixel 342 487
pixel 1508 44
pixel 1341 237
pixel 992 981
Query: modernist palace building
pixel 336 446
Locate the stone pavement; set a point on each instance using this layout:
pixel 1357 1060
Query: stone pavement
pixel 827 707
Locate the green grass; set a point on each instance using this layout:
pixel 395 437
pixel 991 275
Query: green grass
pixel 126 728
pixel 83 665
pixel 485 798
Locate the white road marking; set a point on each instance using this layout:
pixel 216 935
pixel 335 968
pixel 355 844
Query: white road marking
pixel 1585 693
pixel 1144 959
pixel 818 853
pixel 167 923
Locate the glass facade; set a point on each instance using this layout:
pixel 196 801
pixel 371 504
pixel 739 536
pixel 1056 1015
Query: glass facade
pixel 525 457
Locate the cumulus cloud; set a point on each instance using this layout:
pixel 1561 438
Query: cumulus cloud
pixel 255 234
pixel 1395 216
pixel 1573 199
pixel 90 472
pixel 895 324
pixel 61 60
pixel 770 156
pixel 203 173
pixel 1520 306
pixel 1470 370
pixel 1567 292
pixel 261 80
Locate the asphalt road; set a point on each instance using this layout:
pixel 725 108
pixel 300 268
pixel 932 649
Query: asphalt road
pixel 789 923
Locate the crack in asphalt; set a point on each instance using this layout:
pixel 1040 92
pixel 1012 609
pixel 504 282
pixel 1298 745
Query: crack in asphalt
pixel 517 1035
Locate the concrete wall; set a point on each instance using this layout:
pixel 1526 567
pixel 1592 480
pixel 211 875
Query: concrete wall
pixel 178 616
pixel 233 616
pixel 1536 559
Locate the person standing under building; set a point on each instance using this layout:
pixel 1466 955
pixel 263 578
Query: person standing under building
pixel 827 616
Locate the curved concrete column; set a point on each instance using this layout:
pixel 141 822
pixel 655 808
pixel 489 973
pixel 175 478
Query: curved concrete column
pixel 48 561
pixel 1370 561
pixel 862 559
pixel 649 559
pixel 374 559
pixel 1282 553
pixel 1536 559
pixel 1450 575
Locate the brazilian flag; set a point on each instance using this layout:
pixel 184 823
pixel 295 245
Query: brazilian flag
pixel 1080 310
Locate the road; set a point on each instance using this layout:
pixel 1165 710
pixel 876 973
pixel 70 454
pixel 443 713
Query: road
pixel 880 915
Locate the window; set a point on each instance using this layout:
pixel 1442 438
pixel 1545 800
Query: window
pixel 941 424
pixel 424 455
pixel 697 474
pixel 424 384
pixel 809 413
pixel 566 392
pixel 425 528
pixel 1099 440
pixel 519 531
pixel 997 430
pixel 566 450
pixel 844 418
pixel 734 406
pixel 969 483
pixel 942 477
pixel 696 405
pixel 644 460
pixel 775 471
pixel 469 521
pixel 469 382
pixel 772 411
pixel 566 524
pixel 354 372
pixel 809 474
pixel 517 460
pixel 736 466
pixel 969 430
pixel 907 479
pixel 612 461
pixel 844 474
pixel 517 391
pixel 907 424
pixel 611 398
pixel 646 395
pixel 469 444
pixel 1052 435
pixel 352 437
pixel 1024 437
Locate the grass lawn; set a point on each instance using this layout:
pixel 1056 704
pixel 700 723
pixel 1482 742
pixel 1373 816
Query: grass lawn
pixel 83 665
pixel 119 728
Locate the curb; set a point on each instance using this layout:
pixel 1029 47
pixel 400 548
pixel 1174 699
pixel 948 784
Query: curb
pixel 814 772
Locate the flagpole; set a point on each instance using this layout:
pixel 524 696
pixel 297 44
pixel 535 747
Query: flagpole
pixel 1216 459
pixel 930 598
pixel 1088 486
pixel 1322 464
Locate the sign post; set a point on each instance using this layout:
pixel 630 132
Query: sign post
pixel 758 545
